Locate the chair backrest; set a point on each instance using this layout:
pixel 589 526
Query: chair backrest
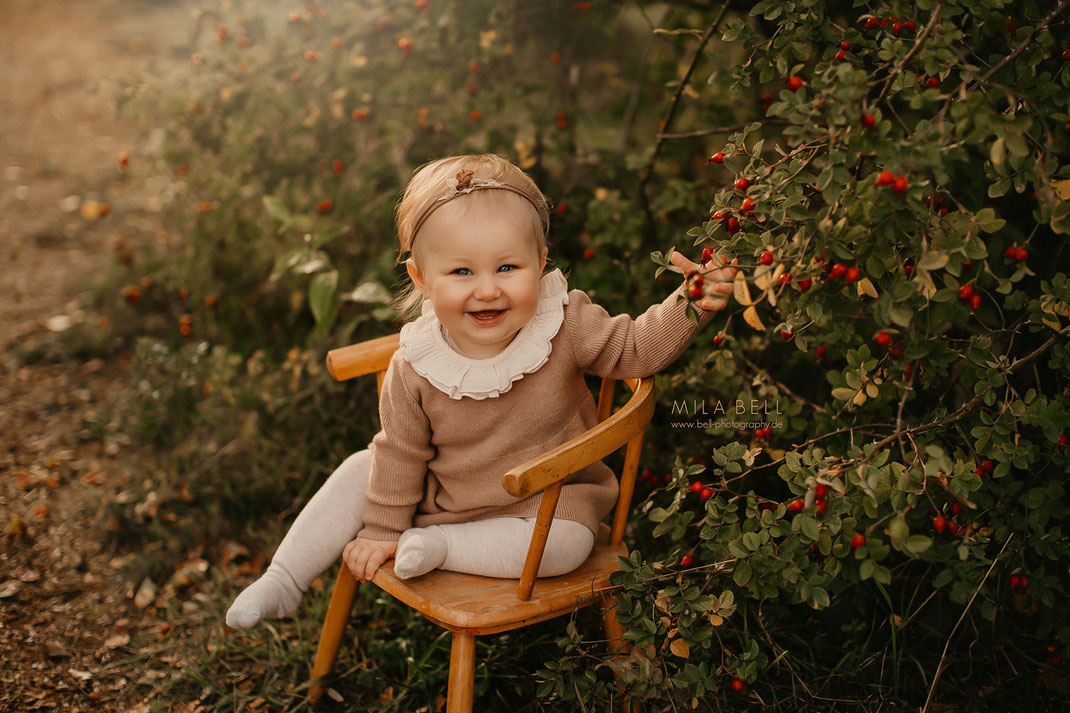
pixel 373 357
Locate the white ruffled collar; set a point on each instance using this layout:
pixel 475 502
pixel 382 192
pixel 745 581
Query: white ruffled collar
pixel 424 347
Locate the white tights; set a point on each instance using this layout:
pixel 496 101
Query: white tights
pixel 495 547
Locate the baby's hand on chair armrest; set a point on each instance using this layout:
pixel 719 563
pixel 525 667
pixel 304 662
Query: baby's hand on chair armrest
pixel 364 557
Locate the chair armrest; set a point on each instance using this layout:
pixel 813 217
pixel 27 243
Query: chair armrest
pixel 591 445
pixel 365 358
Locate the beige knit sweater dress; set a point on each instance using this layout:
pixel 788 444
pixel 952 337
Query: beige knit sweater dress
pixel 453 426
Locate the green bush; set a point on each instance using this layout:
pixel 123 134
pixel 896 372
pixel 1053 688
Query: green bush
pixel 899 332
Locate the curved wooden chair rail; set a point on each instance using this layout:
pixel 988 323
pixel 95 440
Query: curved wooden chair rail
pixel 468 604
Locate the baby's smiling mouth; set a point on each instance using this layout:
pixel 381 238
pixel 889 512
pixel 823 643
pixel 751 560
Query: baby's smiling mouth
pixel 486 315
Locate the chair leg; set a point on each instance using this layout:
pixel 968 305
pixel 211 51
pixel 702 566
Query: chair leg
pixel 461 689
pixel 617 643
pixel 334 625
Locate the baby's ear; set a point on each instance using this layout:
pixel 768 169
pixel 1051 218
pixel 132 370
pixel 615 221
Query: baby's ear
pixel 414 274
pixel 542 259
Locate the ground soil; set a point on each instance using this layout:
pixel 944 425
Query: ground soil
pixel 67 614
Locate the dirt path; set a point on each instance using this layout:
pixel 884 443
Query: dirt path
pixel 65 621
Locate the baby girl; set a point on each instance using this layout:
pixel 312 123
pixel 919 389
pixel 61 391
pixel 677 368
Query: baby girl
pixel 489 376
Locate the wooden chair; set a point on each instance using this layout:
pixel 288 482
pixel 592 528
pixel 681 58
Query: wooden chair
pixel 471 605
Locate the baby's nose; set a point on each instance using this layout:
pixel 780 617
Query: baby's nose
pixel 487 289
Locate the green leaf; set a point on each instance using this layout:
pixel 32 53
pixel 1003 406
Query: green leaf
pixel 321 295
pixel 325 236
pixel 742 573
pixel 278 211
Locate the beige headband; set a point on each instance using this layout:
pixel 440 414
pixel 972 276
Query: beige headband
pixel 462 184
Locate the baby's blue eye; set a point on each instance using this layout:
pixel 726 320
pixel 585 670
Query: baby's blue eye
pixel 461 271
pixel 507 268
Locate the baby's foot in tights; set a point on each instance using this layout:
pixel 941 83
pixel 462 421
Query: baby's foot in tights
pixel 420 550
pixel 275 594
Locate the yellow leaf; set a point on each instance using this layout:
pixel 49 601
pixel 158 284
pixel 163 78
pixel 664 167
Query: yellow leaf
pixel 716 619
pixel 998 152
pixel 842 393
pixel 763 277
pixel 742 294
pixel 750 316
pixel 859 399
pixel 872 391
pixel 679 648
pixel 1062 189
pixel 865 287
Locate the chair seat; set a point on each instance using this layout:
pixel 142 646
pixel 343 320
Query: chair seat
pixel 485 605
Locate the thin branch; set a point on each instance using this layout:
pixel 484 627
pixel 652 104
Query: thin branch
pixel 913 50
pixel 947 644
pixel 963 88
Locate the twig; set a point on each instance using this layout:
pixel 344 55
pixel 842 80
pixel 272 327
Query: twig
pixel 913 50
pixel 637 85
pixel 947 644
pixel 717 130
pixel 645 176
pixel 963 88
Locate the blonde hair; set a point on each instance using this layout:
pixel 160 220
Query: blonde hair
pixel 432 180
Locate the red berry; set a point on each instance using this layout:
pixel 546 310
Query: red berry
pixel 838 270
pixel 1056 660
pixel 868 121
pixel 978 472
pixel 325 206
pixel 908 25
pixel 885 178
pixel 785 278
pixel 966 292
pixel 804 284
pixel 741 184
pixel 1066 55
pixel 796 505
pixel 1024 581
pixel 845 45
pixel 821 504
pixel 588 253
pixel 1062 441
pixel 717 340
pixel 986 466
pixel 695 487
pixel 851 275
pixel 694 291
pixel 841 54
pixel 821 352
pixel 932 82
pixel 895 349
pixel 747 204
pixel 717 157
pixel 737 685
pixel 897 27
pixel 766 258
pixel 899 184
pixel 1015 581
pixel 795 82
pixel 1020 254
pixel 1010 26
pixel 858 540
pixel 707 254
pixel 939 523
pixel 883 338
pixel 687 561
pixel 645 475
pixel 956 508
pixel 767 98
pixel 1010 252
pixel 705 493
pixel 338 167
pixel 733 225
pixel 953 528
pixel 787 334
pixel 819 490
pixel 975 301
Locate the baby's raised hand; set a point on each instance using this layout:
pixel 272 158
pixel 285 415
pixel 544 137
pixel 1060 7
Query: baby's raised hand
pixel 717 275
pixel 364 557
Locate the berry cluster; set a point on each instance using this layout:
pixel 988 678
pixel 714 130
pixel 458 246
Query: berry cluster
pixel 887 178
pixel 702 491
pixel 1015 252
pixel 967 295
pixel 763 434
pixel 897 26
